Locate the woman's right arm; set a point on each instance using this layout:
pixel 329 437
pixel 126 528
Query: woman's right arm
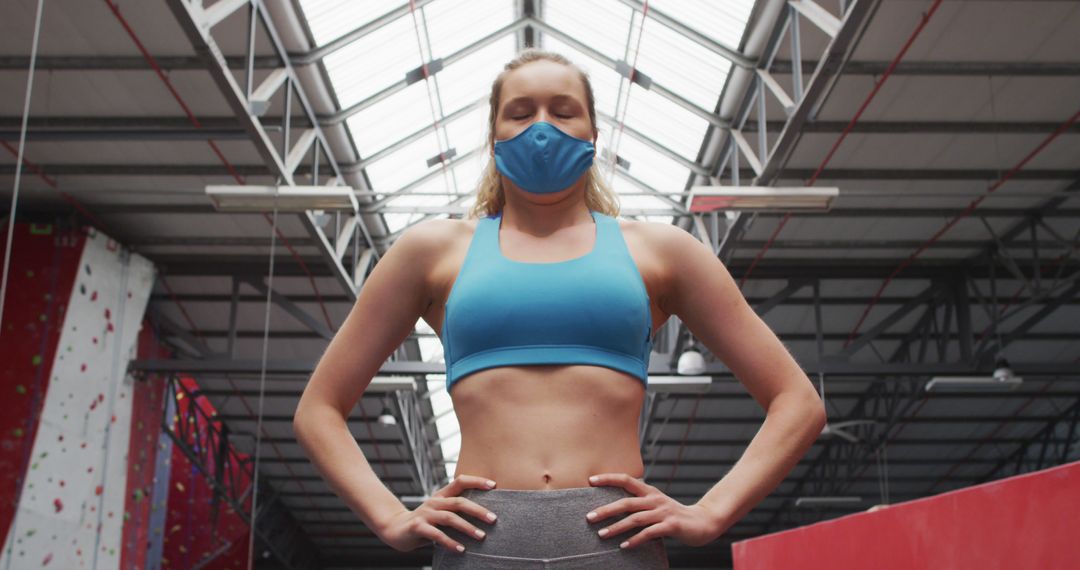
pixel 393 298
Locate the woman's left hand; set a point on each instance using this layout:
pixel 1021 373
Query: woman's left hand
pixel 692 525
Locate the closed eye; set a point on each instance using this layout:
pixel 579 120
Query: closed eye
pixel 557 115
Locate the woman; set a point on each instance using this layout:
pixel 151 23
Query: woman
pixel 546 306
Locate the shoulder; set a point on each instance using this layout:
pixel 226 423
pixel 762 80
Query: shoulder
pixel 666 251
pixel 428 244
pixel 662 240
pixel 434 235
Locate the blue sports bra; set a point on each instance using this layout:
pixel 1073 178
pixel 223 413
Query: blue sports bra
pixel 592 309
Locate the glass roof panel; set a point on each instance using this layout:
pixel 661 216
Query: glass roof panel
pixel 723 22
pixel 454 24
pixel 665 122
pixel 469 79
pixel 671 59
pixel 651 167
pixel 465 134
pixel 391 119
pixel 682 65
pixel 331 19
pixel 374 62
pixel 577 19
pixel 470 130
pixel 399 168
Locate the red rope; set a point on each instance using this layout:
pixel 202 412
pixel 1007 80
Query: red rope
pixel 53 184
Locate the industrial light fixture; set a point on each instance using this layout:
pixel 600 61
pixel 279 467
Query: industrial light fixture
pixel 839 429
pixel 1002 379
pixel 826 501
pixel 232 198
pixel 386 417
pixel 800 198
pixel 390 384
pixel 690 362
pixel 680 384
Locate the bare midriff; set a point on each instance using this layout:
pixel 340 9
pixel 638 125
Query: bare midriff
pixel 548 427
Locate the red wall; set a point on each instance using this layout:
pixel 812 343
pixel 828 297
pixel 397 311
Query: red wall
pixel 44 260
pixel 1027 521
pixel 147 402
pixel 191 530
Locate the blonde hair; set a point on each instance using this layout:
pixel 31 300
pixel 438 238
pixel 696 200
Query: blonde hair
pixel 490 197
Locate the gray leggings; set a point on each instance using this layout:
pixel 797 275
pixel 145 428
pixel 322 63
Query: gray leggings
pixel 547 529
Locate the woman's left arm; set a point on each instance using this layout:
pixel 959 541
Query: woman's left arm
pixel 698 288
pixel 702 293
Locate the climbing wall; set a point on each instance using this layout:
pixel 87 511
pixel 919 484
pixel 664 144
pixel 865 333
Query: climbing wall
pixel 70 508
pixel 201 531
pixel 159 498
pixel 1026 521
pixel 141 526
pixel 43 265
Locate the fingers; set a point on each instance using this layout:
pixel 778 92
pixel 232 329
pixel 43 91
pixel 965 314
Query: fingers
pixel 624 480
pixel 631 522
pixel 463 505
pixel 450 499
pixel 624 505
pixel 443 506
pixel 447 518
pixel 432 533
pixel 433 518
pixel 653 531
pixel 462 482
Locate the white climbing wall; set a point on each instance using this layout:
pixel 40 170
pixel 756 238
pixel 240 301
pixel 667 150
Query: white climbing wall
pixel 71 506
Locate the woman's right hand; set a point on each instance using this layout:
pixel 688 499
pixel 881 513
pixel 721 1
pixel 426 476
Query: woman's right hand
pixel 410 530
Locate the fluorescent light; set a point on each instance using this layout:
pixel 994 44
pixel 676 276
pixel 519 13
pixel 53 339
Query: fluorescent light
pixel 231 198
pixel 973 383
pixel 826 501
pixel 680 384
pixel 389 384
pixel 709 198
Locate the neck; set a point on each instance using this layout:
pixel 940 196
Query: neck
pixel 544 219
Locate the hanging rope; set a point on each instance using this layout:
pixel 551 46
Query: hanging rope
pixel 616 135
pixel 11 216
pixel 448 178
pixel 262 388
pixel 19 159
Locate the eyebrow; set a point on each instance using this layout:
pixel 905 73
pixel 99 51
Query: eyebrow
pixel 526 98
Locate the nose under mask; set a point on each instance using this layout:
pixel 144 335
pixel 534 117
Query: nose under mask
pixel 543 159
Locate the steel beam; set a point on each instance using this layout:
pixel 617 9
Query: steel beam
pixel 289 307
pixel 198 23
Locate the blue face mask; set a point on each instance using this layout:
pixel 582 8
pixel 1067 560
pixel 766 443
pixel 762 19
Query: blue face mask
pixel 543 159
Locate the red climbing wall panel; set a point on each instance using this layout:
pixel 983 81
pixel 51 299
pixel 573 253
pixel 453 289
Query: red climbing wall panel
pixel 44 260
pixel 68 505
pixel 147 401
pixel 192 532
pixel 1027 521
